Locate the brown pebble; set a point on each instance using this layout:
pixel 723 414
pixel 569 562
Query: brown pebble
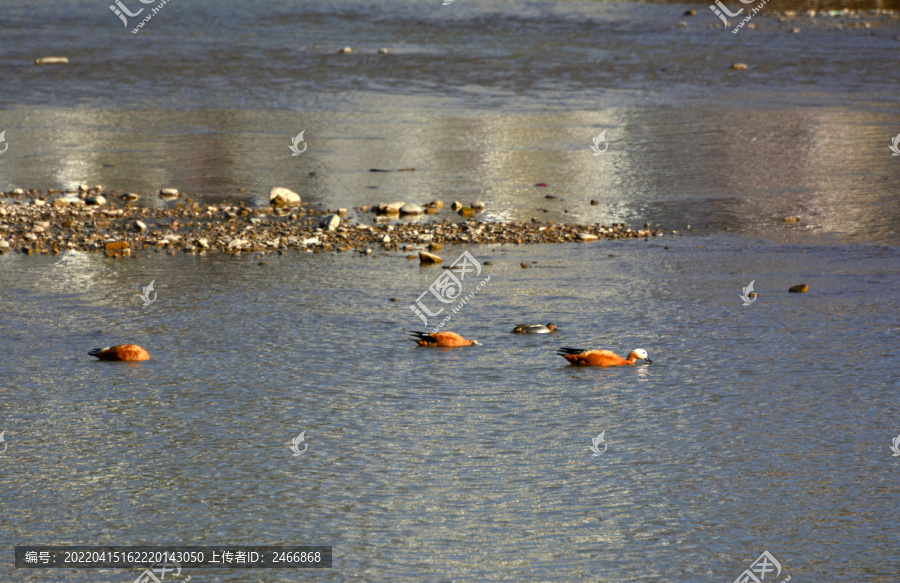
pixel 488 263
pixel 790 220
pixel 613 255
pixel 115 245
pixel 394 300
pixel 799 289
pixel 690 13
pixel 594 203
pixel 739 66
pixel 524 265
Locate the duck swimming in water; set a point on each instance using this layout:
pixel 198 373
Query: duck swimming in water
pixel 121 352
pixel 447 339
pixel 534 329
pixel 581 357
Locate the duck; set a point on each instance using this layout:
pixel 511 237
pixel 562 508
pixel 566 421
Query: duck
pixel 534 329
pixel 121 352
pixel 448 339
pixel 582 357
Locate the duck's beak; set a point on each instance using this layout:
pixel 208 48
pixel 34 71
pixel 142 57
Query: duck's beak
pixel 648 361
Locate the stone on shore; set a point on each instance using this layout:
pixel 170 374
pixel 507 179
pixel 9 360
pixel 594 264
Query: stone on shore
pixel 478 205
pixel 330 223
pixel 115 245
pixel 435 204
pixel 587 237
pixel 129 197
pixel 139 226
pixel 799 289
pixel 390 208
pixel 280 196
pixel 95 200
pixel 168 193
pixel 427 258
pixel 411 209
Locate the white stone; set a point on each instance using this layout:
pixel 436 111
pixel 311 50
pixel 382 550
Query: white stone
pixel 310 241
pixel 139 225
pixel 478 205
pixel 168 193
pixel 203 243
pixel 330 223
pixel 95 199
pixel 283 196
pixel 411 209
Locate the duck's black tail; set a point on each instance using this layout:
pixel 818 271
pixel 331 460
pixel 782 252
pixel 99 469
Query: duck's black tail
pixel 566 351
pixel 416 336
pixel 96 351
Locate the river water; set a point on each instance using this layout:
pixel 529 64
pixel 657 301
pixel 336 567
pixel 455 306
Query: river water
pixel 761 427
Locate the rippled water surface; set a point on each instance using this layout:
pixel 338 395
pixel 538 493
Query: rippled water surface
pixel 757 427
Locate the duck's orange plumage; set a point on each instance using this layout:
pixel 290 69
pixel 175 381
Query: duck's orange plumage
pixel 121 352
pixel 448 339
pixel 601 357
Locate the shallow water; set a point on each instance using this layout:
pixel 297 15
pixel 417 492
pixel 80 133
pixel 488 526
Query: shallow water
pixel 761 427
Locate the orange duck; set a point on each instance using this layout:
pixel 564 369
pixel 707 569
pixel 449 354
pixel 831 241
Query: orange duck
pixel 121 352
pixel 601 357
pixel 447 339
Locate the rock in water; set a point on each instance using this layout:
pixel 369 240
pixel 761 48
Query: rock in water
pixel 280 196
pixel 428 258
pixel 168 193
pixel 411 209
pixel 52 61
pixel 456 205
pixel 799 289
pixel 478 205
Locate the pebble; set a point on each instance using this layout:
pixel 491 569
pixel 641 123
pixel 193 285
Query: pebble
pixel 690 12
pixel 466 211
pixel 799 289
pixel 587 237
pixel 382 51
pixel 488 263
pixel 51 61
pixel 435 204
pixel 738 66
pixel 790 220
pixel 96 200
pixel 427 258
pixel 524 265
pixel 345 50
pixel 168 193
pixel 129 197
pixel 456 205
pixel 594 203
pixel 478 205
pixel 280 196
pixel 139 226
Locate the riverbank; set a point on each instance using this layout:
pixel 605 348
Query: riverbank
pixel 89 221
